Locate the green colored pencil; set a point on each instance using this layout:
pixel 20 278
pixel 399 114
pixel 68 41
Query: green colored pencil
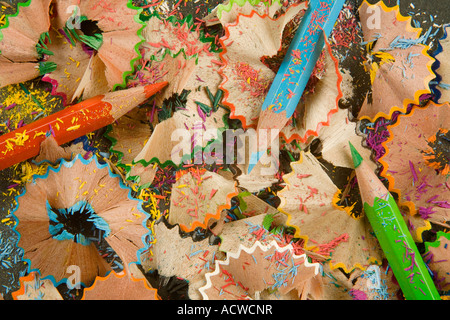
pixel 393 235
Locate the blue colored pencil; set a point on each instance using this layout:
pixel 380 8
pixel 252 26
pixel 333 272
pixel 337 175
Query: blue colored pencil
pixel 296 69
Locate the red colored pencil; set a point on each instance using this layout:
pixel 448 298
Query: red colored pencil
pixel 72 122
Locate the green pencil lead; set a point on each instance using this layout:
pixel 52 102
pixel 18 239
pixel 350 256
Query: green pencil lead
pixel 217 98
pixel 210 95
pixel 24 88
pixel 357 159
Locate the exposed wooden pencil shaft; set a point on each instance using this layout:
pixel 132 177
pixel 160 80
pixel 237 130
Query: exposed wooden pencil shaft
pixel 370 186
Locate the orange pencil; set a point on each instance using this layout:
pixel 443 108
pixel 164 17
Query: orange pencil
pixel 71 123
pixel 295 70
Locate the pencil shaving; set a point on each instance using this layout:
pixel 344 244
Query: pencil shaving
pixel 246 79
pixel 105 288
pixel 34 288
pixel 173 255
pixel 235 277
pixel 193 202
pixel 402 69
pixel 19 60
pixel 80 187
pixel 424 190
pixel 435 255
pixel 308 201
pixel 444 67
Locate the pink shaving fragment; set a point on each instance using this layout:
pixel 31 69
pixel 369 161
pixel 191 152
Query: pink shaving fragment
pixel 413 171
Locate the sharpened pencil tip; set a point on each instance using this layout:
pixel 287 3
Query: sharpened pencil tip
pixel 254 159
pixel 357 159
